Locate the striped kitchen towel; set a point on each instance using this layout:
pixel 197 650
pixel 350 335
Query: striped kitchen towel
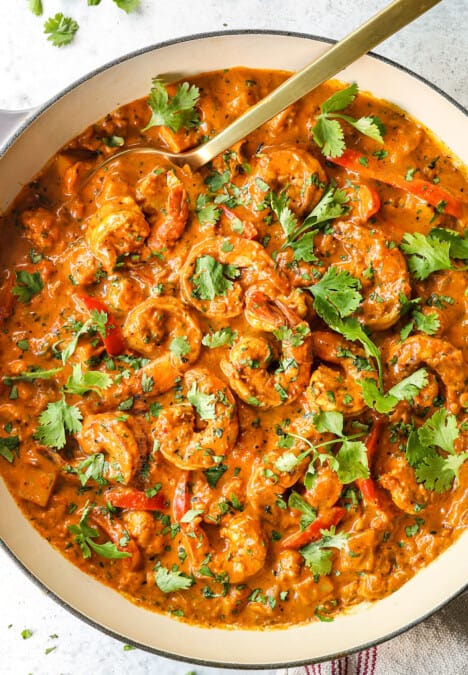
pixel 438 646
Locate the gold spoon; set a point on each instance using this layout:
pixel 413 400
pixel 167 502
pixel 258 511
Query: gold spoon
pixel 381 26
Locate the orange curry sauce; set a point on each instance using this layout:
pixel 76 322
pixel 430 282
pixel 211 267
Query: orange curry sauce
pixel 191 447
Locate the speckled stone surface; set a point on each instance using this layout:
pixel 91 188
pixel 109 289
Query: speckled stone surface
pixel 31 71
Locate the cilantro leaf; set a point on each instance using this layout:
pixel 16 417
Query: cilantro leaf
pixel 328 133
pixel 224 336
pixel 92 467
pixel 295 501
pixel 286 462
pixel 440 430
pixel 214 473
pixel 176 112
pixel 352 461
pixel 340 99
pixel 303 248
pixel 61 29
pixel 318 556
pixel 212 278
pixel 180 346
pixel 55 421
pixel 91 380
pixel 427 323
pixel 368 126
pixel 458 244
pixel 204 404
pixel 7 445
pixel 36 7
pixel 108 550
pixel 279 204
pixel 338 289
pixel 329 421
pixel 426 254
pixel 169 581
pixel 27 286
pixel 437 473
pixel 329 136
pixel 128 5
pixel 405 390
pixel 434 470
pixel 207 212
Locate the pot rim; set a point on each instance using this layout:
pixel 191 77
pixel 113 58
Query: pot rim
pixel 8 142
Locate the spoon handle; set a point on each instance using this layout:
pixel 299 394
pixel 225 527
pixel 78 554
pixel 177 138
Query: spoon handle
pixel 381 26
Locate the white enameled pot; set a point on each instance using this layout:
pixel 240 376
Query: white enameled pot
pixel 29 141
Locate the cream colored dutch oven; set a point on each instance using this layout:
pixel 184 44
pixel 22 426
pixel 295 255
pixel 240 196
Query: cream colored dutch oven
pixel 30 141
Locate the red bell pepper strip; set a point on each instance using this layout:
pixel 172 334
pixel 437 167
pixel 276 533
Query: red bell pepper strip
pixel 314 530
pixel 136 500
pixel 113 340
pixel 181 501
pixel 368 486
pixel 375 169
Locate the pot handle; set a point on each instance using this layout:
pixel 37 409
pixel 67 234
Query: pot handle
pixel 10 120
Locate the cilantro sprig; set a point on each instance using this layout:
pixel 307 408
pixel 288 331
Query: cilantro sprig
pixel 85 534
pixel 328 133
pixel 428 254
pixel 350 462
pixel 318 554
pixel 27 285
pixel 336 296
pixel 300 238
pixel 435 470
pixel 176 112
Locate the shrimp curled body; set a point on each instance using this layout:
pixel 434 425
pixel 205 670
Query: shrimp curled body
pixel 194 442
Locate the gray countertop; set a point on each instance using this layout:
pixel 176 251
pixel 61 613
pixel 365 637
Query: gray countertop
pixel 436 47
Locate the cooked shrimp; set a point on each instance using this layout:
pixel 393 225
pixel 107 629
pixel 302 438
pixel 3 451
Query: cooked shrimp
pixel 441 357
pixel 381 270
pixel 163 196
pixel 406 493
pixel 338 389
pixel 191 441
pixel 326 489
pixel 118 228
pixel 243 553
pixel 151 329
pixel 290 168
pixel 219 269
pixel 123 443
pixel 250 359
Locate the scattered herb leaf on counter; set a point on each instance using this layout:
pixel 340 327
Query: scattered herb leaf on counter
pixel 36 7
pixel 60 29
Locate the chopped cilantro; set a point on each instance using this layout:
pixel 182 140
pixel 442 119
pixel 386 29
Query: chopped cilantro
pixel 55 421
pixel 27 285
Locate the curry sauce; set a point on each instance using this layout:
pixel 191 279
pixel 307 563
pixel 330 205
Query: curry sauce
pixel 239 395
